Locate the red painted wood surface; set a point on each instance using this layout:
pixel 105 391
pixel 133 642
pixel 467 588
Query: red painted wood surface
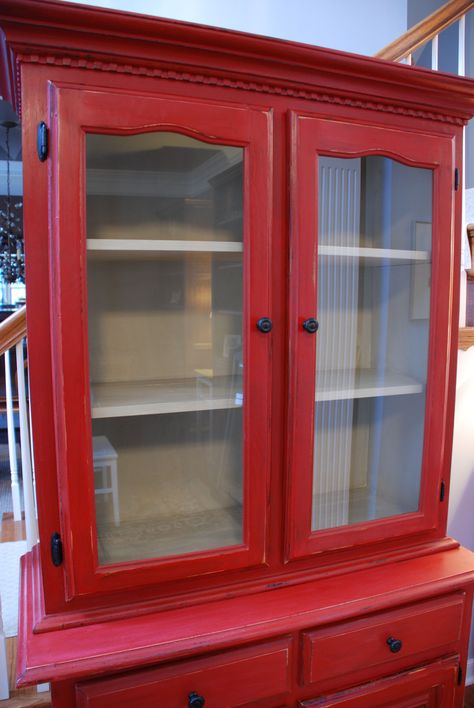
pixel 136 641
pixel 78 112
pixel 431 686
pixel 228 679
pixel 118 37
pixel 181 63
pixel 311 137
pixel 92 69
pixel 426 630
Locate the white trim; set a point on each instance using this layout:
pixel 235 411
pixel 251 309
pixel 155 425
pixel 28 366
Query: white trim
pixel 26 466
pixel 462 46
pixel 434 53
pixel 470 672
pixel 15 485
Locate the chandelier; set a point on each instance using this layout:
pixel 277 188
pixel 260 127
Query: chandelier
pixel 12 257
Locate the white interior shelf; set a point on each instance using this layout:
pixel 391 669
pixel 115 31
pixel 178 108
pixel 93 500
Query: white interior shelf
pixel 132 398
pixel 363 383
pixel 375 256
pixel 121 247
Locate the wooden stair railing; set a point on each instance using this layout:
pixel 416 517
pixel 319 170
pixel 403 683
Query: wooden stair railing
pixel 403 48
pixel 12 347
pixel 12 330
pixel 466 334
pixel 424 31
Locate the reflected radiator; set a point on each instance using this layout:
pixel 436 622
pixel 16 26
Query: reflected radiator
pixel 336 351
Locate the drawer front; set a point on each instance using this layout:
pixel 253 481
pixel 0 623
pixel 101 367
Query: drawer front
pixel 397 637
pixel 229 679
pixel 432 686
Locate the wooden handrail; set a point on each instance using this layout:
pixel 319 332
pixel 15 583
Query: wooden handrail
pixel 13 329
pixel 466 334
pixel 425 30
pixel 470 236
pixel 466 337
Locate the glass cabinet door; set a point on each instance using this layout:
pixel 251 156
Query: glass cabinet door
pixel 165 255
pixel 173 382
pixel 365 278
pixel 373 307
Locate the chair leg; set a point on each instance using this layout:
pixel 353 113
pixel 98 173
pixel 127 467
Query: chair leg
pixel 115 493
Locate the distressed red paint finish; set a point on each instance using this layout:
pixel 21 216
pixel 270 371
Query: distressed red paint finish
pixel 254 623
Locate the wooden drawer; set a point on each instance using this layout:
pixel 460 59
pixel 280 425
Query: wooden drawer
pixel 425 630
pixel 229 679
pixel 432 686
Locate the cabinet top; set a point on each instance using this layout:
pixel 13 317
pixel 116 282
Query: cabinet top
pixel 60 33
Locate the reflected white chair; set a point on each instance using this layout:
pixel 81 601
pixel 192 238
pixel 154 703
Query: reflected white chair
pixel 105 466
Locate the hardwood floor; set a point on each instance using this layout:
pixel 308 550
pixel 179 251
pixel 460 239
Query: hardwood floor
pixel 469 697
pixel 11 530
pixel 22 697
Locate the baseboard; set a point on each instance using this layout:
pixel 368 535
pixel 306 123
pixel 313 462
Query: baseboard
pixel 470 672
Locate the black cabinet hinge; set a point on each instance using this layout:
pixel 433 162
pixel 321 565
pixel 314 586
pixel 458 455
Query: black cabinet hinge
pixel 56 549
pixel 456 179
pixel 442 490
pixel 42 141
pixel 460 676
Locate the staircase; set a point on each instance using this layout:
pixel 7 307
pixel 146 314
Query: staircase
pixel 412 48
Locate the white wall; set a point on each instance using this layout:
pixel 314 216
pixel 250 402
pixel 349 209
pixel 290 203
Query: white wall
pixel 460 524
pixel 361 26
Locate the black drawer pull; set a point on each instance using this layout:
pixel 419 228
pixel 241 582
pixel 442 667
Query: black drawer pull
pixel 195 700
pixel 394 644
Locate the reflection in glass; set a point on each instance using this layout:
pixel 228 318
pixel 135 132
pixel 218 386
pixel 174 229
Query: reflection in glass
pixel 165 254
pixel 374 266
pixel 163 186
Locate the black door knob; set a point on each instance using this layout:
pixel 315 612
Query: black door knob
pixel 394 644
pixel 195 700
pixel 265 325
pixel 311 325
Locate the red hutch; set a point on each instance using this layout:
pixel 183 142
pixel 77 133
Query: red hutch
pixel 242 271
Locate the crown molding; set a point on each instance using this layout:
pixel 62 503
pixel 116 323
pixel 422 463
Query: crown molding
pixel 266 87
pixel 97 39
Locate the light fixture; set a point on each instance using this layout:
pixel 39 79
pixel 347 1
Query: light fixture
pixel 12 258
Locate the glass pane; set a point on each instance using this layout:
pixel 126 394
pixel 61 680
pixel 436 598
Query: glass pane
pixel 163 186
pixel 374 268
pixel 165 344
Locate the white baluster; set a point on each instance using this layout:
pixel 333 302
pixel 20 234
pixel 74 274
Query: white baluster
pixel 462 46
pixel 4 690
pixel 28 494
pixel 464 239
pixel 12 441
pixel 434 53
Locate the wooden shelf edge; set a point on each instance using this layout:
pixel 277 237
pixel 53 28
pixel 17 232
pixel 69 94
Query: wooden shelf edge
pixel 384 254
pixel 128 246
pixel 466 338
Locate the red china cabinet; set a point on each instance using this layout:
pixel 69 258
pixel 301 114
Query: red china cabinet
pixel 242 272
